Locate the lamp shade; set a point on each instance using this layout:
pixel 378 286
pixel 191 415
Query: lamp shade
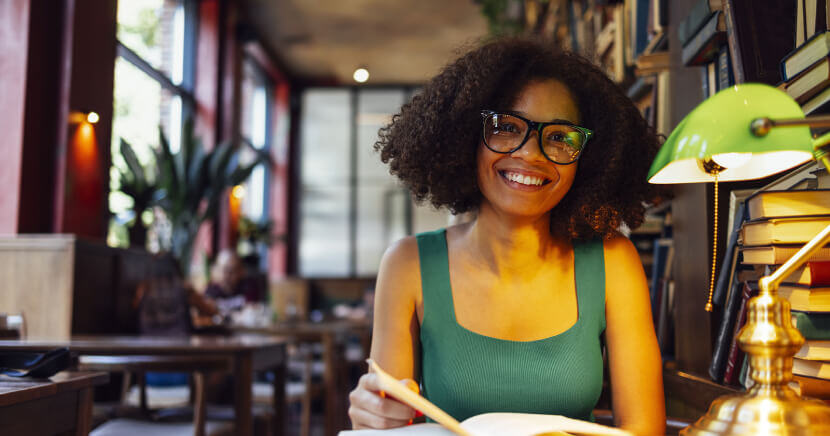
pixel 719 130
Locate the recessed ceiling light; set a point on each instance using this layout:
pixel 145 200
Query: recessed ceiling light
pixel 361 75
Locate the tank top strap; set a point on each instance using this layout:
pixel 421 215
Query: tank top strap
pixel 435 278
pixel 589 272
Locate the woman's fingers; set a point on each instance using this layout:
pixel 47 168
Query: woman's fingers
pixel 364 419
pixel 369 410
pixel 385 407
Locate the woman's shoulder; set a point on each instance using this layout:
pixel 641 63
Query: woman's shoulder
pixel 618 248
pixel 623 269
pixel 399 275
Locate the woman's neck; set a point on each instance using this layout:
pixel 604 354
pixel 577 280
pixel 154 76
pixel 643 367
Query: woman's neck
pixel 512 245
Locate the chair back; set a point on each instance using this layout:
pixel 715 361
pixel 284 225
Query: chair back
pixel 162 303
pixel 289 298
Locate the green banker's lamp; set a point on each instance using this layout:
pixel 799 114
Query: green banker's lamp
pixel 747 132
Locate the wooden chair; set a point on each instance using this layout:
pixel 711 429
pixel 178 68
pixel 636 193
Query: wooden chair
pixel 289 298
pixel 302 392
pixel 141 364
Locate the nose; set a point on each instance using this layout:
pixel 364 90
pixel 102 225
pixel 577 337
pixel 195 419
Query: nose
pixel 531 150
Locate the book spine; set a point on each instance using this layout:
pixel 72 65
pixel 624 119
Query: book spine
pixel 743 378
pixel 765 34
pixel 730 252
pixel 704 81
pixel 813 326
pixel 819 274
pixel 724 71
pixel 732 40
pixel 694 21
pixel 734 350
pixel 722 342
pixel 705 44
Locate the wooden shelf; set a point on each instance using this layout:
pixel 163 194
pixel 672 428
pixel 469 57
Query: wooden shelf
pixel 688 396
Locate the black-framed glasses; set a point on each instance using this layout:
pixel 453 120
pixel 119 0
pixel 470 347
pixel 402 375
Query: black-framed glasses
pixel 560 141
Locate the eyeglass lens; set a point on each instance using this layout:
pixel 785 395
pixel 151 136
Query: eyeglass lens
pixel 561 143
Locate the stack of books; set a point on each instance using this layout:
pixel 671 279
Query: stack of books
pixel 806 73
pixel 703 36
pixel 780 223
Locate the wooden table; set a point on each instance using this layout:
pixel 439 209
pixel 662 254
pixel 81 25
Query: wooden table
pixel 332 334
pixel 61 404
pixel 244 354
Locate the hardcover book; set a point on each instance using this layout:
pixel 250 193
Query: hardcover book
pixel 759 37
pixel 725 330
pixel 810 82
pixel 814 350
pixel 798 230
pixel 811 368
pixel 779 204
pixel 806 299
pixel 798 60
pixel 736 355
pixel 812 325
pixel 705 45
pixel 812 274
pixel 778 254
pixel 813 387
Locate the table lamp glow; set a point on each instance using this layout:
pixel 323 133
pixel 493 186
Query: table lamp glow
pixel 747 132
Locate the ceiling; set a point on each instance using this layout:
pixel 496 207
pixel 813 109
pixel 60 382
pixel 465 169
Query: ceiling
pixel 398 41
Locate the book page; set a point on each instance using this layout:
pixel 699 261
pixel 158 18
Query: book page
pixel 410 430
pixel 493 424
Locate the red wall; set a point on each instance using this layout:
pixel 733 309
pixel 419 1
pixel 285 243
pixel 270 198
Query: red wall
pixel 14 32
pixel 46 108
pixel 86 181
pixel 58 57
pixel 278 203
pixel 55 57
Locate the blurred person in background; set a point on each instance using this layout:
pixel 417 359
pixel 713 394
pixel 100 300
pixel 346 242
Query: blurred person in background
pixel 232 287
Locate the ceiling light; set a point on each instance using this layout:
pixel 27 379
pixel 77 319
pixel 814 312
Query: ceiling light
pixel 361 75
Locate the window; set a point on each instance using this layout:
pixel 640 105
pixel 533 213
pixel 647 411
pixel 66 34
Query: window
pixel 256 101
pixel 325 149
pixel 153 83
pixel 351 208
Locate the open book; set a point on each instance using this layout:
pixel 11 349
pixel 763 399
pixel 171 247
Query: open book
pixel 487 424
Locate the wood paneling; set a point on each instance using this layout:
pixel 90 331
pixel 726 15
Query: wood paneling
pixel 37 281
pixel 64 285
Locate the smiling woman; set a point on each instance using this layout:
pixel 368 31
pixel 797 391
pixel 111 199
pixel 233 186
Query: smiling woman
pixel 506 313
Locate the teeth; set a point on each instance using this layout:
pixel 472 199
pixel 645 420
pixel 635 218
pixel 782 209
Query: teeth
pixel 525 180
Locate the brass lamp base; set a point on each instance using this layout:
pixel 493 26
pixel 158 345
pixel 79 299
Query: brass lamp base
pixel 777 411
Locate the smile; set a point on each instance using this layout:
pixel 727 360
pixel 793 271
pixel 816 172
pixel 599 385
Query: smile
pixel 524 179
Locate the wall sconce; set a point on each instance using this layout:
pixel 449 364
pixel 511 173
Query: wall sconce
pixel 78 117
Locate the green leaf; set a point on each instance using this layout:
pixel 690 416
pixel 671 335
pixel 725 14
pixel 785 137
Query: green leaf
pixel 133 164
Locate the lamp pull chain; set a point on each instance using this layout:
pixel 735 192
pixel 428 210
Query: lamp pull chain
pixel 714 250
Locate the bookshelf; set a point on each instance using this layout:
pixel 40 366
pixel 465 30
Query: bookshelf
pixel 666 88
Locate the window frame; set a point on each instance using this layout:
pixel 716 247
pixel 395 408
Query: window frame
pixel 408 90
pixel 185 89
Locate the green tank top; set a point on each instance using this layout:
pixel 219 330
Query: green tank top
pixel 466 373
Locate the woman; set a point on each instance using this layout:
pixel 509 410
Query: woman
pixel 505 313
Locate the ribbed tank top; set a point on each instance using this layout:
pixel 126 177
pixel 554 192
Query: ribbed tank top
pixel 466 373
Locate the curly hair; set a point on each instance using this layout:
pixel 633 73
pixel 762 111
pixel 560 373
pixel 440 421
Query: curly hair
pixel 431 144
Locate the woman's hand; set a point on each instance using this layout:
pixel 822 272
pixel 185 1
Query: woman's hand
pixel 371 408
